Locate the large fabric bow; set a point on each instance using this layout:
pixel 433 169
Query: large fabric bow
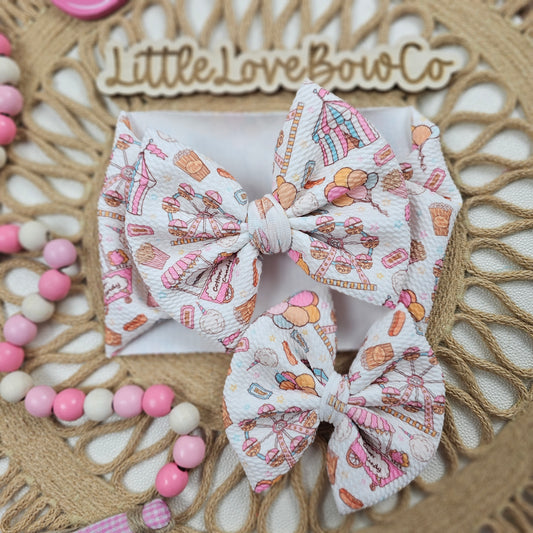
pixel 179 239
pixel 387 412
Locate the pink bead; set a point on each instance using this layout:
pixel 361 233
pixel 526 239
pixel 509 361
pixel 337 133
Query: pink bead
pixel 19 330
pixel 40 400
pixel 5 45
pixel 11 100
pixel 54 285
pixel 189 451
pixel 59 253
pixel 127 401
pixel 170 480
pixel 11 357
pixel 9 239
pixel 157 400
pixel 68 404
pixel 8 130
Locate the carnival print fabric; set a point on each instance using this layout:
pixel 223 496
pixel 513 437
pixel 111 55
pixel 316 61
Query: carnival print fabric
pixel 180 239
pixel 387 411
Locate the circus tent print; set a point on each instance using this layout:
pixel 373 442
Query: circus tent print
pixel 340 128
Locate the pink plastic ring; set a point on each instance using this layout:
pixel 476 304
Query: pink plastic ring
pixel 87 9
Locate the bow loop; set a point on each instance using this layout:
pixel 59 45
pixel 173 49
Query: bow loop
pixel 269 226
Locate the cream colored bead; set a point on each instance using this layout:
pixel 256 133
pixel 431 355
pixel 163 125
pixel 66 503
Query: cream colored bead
pixel 98 404
pixel 37 309
pixel 9 71
pixel 15 386
pixel 184 418
pixel 33 235
pixel 71 270
pixel 3 157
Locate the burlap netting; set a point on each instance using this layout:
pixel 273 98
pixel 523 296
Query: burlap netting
pixel 51 484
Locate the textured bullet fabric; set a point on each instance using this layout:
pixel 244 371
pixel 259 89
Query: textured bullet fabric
pixel 179 238
pixel 387 411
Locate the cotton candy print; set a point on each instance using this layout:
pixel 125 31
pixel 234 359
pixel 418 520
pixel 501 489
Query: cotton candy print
pixel 387 411
pixel 341 208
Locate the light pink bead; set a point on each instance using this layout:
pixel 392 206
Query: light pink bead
pixel 59 253
pixel 11 100
pixel 8 130
pixel 157 400
pixel 68 404
pixel 40 400
pixel 9 239
pixel 5 45
pixel 170 480
pixel 54 285
pixel 11 357
pixel 19 330
pixel 127 401
pixel 189 451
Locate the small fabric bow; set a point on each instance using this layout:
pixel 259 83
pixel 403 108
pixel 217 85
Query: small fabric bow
pixel 387 412
pixel 179 239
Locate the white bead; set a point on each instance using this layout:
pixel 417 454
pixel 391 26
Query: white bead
pixel 37 309
pixel 184 418
pixel 15 386
pixel 33 235
pixel 9 71
pixel 71 270
pixel 98 404
pixel 3 157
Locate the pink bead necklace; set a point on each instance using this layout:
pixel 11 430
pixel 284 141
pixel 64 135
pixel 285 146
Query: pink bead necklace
pixel 54 285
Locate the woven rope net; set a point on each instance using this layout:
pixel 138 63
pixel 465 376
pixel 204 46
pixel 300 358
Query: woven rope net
pixel 481 477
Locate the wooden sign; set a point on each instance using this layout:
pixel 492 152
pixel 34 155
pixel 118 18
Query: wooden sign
pixel 170 68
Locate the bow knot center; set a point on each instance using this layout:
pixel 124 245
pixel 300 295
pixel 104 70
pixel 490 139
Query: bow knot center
pixel 334 400
pixel 269 226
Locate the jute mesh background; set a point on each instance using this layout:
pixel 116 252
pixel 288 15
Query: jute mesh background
pixel 51 484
